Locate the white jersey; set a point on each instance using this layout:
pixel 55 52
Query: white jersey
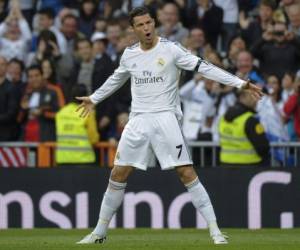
pixel 155 74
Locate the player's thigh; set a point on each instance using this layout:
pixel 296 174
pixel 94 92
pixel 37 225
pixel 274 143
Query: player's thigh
pixel 168 142
pixel 134 147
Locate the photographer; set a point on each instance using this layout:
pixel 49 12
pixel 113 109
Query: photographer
pixel 292 107
pixel 278 51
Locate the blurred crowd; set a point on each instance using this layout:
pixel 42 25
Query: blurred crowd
pixel 49 47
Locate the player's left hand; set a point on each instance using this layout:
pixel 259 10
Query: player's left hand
pixel 86 106
pixel 254 91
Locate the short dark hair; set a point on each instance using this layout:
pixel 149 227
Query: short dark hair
pixel 82 40
pixel 34 67
pixel 138 11
pixel 69 16
pixel 270 3
pixel 49 12
pixel 47 36
pixel 17 61
pixel 78 90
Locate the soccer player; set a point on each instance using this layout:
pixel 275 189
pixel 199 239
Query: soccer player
pixel 154 128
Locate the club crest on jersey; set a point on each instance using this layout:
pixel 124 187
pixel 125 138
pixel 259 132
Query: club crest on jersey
pixel 161 62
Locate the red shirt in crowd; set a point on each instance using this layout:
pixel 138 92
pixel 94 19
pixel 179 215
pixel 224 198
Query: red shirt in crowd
pixel 292 107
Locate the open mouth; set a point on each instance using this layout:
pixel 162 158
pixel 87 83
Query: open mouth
pixel 148 35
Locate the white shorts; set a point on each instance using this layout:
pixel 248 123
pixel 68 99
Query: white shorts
pixel 147 135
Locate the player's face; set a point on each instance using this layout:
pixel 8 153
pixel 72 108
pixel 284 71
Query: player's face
pixel 143 27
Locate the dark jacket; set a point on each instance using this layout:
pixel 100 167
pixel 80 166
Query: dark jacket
pixel 252 33
pixel 103 68
pixel 256 136
pixel 276 59
pixel 48 102
pixel 211 22
pixel 8 111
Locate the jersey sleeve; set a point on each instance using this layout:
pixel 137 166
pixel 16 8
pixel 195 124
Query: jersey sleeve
pixel 184 59
pixel 212 72
pixel 112 84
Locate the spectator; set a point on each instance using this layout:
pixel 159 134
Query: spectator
pixel 171 27
pixel 198 106
pixel 270 111
pixel 111 8
pixel 246 69
pixel 75 135
pixel 3 5
pixel 100 24
pixel 66 62
pixel 209 17
pixel 102 70
pixel 15 35
pixel 47 48
pixel 293 12
pixel 84 66
pixel 288 87
pixel 69 28
pixel 292 107
pixel 197 43
pixel 46 23
pixel 87 17
pixel 113 35
pixel 236 45
pixel 38 108
pixel 8 106
pixel 278 51
pixel 127 39
pixel 103 64
pixel 14 74
pixel 65 11
pixel 27 8
pixel 49 76
pixel 230 20
pixel 253 29
pixel 242 138
pixel 55 5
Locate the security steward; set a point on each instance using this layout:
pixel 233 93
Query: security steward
pixel 75 135
pixel 242 138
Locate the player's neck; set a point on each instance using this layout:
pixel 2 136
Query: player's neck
pixel 148 46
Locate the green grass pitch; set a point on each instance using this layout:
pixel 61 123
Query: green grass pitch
pixel 140 239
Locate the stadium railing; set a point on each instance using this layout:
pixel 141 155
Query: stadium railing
pixel 204 154
pixel 42 155
pixel 285 154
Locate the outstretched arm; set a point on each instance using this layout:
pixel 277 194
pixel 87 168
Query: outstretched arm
pixel 210 71
pixel 185 60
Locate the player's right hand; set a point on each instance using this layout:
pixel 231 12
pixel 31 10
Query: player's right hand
pixel 86 106
pixel 254 91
